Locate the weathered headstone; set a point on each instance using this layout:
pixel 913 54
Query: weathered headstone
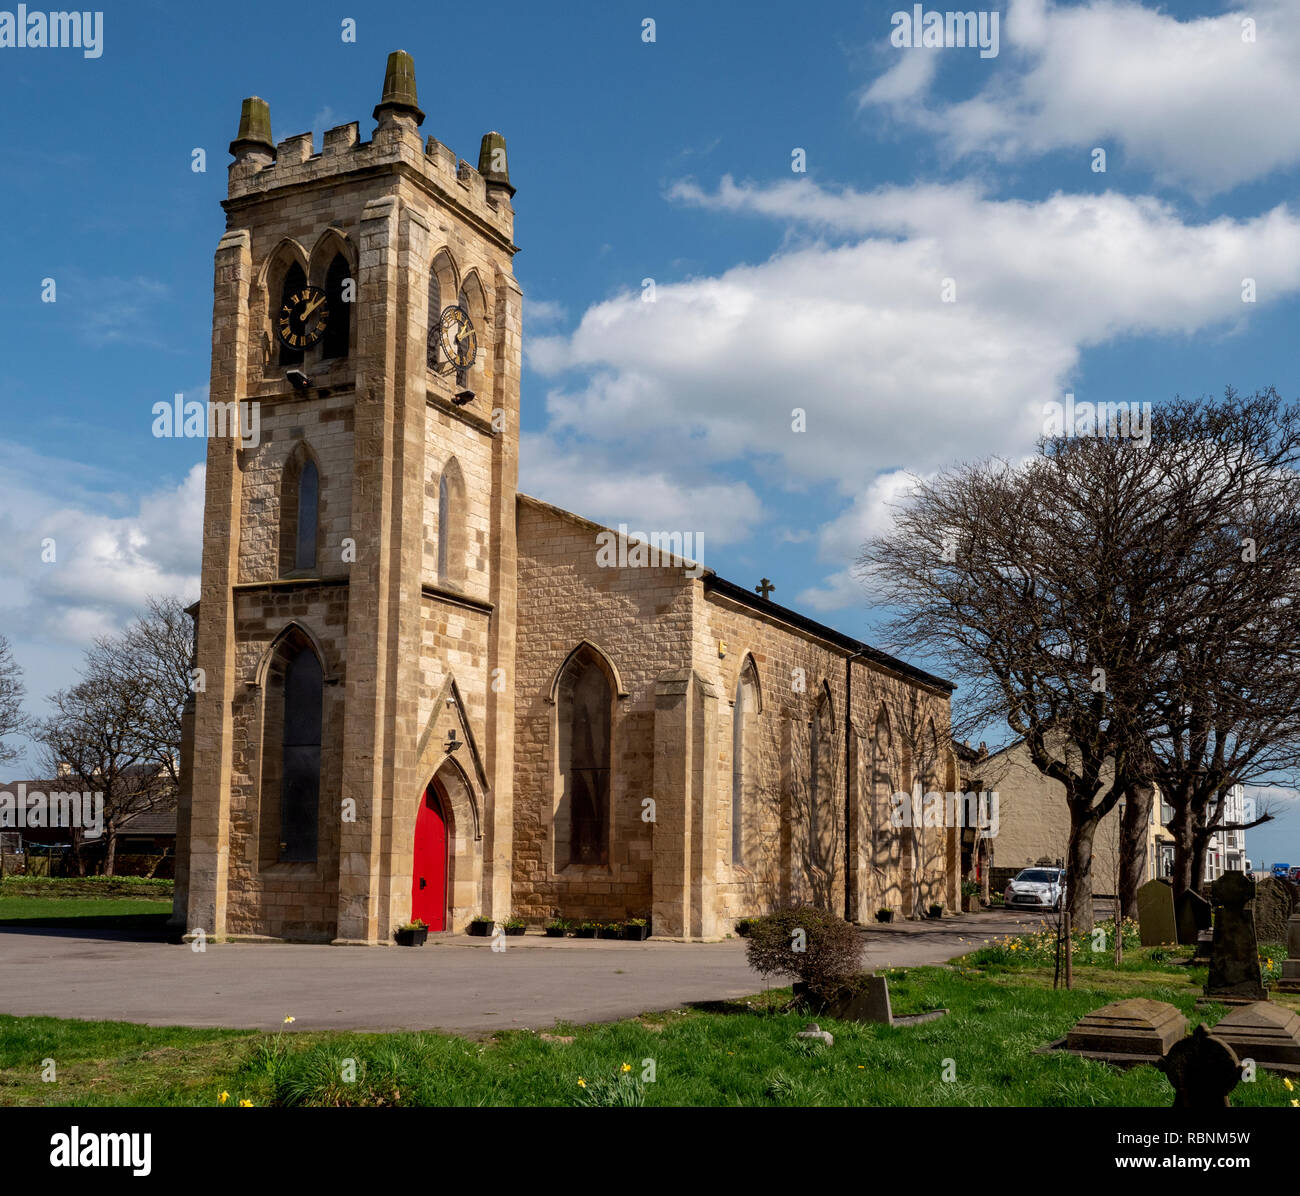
pixel 1137 1030
pixel 1274 904
pixel 1265 1032
pixel 1191 916
pixel 813 1032
pixel 1155 902
pixel 867 1000
pixel 1290 981
pixel 1203 1069
pixel 1234 969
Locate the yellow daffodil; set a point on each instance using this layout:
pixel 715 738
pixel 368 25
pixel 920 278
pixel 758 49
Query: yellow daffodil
pixel 225 1096
pixel 1290 1087
pixel 245 1104
pixel 628 1067
pixel 581 1082
pixel 289 1019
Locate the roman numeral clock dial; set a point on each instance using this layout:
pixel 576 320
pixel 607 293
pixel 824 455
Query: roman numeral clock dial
pixel 303 318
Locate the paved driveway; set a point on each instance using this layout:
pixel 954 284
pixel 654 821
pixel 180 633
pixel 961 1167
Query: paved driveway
pixel 456 984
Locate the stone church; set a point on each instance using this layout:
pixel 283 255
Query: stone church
pixel 425 694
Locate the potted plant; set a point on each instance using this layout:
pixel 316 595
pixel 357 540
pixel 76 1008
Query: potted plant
pixel 556 928
pixel 636 929
pixel 936 910
pixel 481 926
pixel 586 930
pixel 970 897
pixel 884 914
pixel 411 934
pixel 611 930
pixel 514 925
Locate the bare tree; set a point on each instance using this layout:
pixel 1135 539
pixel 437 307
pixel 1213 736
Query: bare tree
pixel 13 721
pixel 157 653
pixel 1120 604
pixel 117 732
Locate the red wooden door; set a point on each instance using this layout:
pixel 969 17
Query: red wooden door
pixel 429 874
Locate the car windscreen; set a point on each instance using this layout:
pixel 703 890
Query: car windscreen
pixel 1038 876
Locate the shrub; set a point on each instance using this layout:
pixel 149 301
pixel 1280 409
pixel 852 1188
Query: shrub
pixel 831 955
pixel 970 888
pixel 514 923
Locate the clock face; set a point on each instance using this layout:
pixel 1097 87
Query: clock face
pixel 457 338
pixel 303 318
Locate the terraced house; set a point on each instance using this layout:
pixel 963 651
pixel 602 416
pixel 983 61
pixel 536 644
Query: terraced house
pixel 424 693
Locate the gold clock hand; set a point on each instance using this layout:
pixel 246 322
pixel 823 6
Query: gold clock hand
pixel 311 307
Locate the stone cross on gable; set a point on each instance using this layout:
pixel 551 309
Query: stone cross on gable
pixel 764 588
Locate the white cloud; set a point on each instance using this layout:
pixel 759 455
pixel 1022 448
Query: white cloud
pixel 857 336
pixel 1189 100
pixel 110 555
pixel 605 486
pixel 847 324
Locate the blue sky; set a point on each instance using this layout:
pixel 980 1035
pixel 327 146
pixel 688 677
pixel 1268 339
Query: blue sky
pixel 668 160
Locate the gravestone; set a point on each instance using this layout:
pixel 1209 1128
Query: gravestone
pixel 813 1032
pixel 1265 1032
pixel 1137 1030
pixel 1203 1069
pixel 1155 902
pixel 1274 904
pixel 865 1000
pixel 1234 968
pixel 1191 916
pixel 1290 981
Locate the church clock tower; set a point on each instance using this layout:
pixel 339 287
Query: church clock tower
pixel 349 756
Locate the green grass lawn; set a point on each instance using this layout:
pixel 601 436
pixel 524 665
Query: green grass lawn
pixel 86 912
pixel 1002 1007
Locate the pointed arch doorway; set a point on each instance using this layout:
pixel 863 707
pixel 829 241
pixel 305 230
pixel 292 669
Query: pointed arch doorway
pixel 429 866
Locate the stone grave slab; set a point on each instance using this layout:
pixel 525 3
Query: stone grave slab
pixel 1155 902
pixel 1126 1033
pixel 1290 981
pixel 1265 1032
pixel 1191 916
pixel 1274 905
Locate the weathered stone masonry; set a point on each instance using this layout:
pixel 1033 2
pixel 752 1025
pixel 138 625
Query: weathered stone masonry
pixel 574 720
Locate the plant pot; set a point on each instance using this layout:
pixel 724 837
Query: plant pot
pixel 481 930
pixel 514 930
pixel 610 932
pixel 412 937
pixel 588 932
pixel 555 932
pixel 636 934
pixel 935 915
pixel 884 915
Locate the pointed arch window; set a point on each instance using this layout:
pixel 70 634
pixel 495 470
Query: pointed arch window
pixel 300 787
pixel 444 526
pixel 746 706
pixel 338 331
pixel 452 531
pixel 299 514
pixel 585 707
pixel 294 280
pixel 819 762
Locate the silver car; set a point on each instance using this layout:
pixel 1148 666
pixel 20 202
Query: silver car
pixel 1036 888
